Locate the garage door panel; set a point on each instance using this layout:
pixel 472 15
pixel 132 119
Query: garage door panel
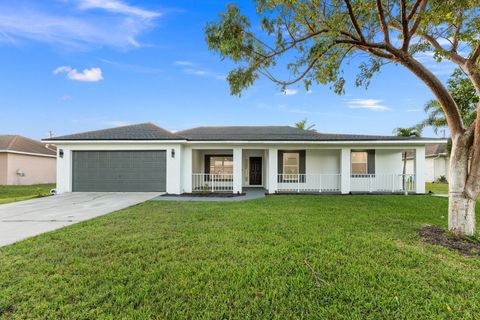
pixel 119 171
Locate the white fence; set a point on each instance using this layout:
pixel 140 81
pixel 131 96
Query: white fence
pixel 382 183
pixel 309 182
pixel 206 182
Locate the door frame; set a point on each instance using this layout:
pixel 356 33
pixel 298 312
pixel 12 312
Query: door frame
pixel 248 170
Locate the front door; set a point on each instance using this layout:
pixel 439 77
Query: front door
pixel 255 171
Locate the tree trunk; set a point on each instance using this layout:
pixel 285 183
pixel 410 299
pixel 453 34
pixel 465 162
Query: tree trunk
pixel 461 214
pixel 461 206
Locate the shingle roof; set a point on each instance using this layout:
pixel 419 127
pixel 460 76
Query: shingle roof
pixel 274 133
pixel 149 131
pixel 436 149
pixel 22 144
pixel 143 131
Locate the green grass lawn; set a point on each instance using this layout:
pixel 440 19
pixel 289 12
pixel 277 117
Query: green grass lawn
pixel 283 257
pixel 19 193
pixel 438 188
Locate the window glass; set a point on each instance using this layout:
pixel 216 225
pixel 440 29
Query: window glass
pixel 359 162
pixel 221 165
pixel 291 163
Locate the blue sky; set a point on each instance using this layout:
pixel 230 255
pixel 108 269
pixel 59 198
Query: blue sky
pixel 74 65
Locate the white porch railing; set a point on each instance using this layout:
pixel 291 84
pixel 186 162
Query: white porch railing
pixel 206 182
pixel 382 183
pixel 309 182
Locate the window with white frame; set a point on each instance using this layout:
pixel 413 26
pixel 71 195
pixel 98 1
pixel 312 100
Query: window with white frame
pixel 359 162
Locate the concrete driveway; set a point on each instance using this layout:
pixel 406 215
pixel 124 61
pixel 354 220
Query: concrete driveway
pixel 24 219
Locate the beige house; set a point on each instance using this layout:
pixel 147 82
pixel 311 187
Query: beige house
pixel 25 161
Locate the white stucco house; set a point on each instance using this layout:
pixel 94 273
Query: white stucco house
pixel 145 157
pixel 437 162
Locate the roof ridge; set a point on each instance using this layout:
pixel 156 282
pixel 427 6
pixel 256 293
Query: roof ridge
pixel 12 142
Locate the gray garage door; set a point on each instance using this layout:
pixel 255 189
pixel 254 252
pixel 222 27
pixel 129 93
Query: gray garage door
pixel 118 171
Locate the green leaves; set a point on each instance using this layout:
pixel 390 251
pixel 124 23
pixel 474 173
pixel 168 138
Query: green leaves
pixel 465 96
pixel 312 39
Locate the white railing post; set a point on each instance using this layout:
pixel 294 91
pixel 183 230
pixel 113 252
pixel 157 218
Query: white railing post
pixel 420 169
pixel 272 175
pixel 345 170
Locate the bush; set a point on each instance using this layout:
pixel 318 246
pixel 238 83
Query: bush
pixel 442 179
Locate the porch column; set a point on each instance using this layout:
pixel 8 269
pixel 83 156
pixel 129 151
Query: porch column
pixel 237 170
pixel 187 169
pixel 272 173
pixel 345 167
pixel 420 169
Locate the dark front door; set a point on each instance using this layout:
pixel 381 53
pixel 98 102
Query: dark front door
pixel 255 171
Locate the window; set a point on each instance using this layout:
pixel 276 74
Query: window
pixel 291 163
pixel 221 165
pixel 359 162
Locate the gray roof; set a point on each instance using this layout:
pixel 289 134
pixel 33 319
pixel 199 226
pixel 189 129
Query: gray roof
pixel 275 133
pixel 436 149
pixel 142 131
pixel 149 131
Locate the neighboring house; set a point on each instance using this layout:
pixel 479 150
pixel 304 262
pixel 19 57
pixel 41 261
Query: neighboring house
pixel 145 157
pixel 24 161
pixel 436 162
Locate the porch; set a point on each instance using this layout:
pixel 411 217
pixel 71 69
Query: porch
pixel 310 170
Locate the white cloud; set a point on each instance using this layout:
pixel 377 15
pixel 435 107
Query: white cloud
pixel 414 110
pixel 204 73
pixel 118 7
pixel 184 63
pixel 73 27
pixel 371 104
pixel 193 69
pixel 88 75
pixel 290 92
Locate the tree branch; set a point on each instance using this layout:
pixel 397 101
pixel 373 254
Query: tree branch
pixel 406 35
pixel 417 21
pixel 456 33
pixel 354 20
pixel 475 54
pixel 449 106
pixel 302 75
pixel 414 9
pixel 383 22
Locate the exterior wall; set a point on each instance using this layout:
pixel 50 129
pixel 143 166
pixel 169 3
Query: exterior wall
pixel 3 168
pixel 174 176
pixel 36 169
pixel 435 167
pixel 388 162
pixel 322 161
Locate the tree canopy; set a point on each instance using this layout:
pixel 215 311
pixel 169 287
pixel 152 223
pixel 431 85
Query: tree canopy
pixel 465 96
pixel 304 126
pixel 408 132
